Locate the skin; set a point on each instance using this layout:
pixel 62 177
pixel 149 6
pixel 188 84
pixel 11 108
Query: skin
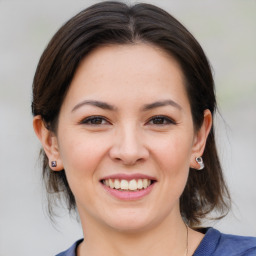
pixel 128 139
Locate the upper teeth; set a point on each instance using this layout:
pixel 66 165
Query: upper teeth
pixel 126 184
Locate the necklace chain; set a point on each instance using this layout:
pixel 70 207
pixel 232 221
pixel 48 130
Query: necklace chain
pixel 186 252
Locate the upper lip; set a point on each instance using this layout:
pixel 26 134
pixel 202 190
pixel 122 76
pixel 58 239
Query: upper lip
pixel 123 176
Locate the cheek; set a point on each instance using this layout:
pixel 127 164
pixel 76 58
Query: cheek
pixel 81 156
pixel 173 152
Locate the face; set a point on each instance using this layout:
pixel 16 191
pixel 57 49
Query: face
pixel 125 137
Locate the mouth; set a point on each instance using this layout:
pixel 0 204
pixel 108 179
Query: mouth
pixel 128 185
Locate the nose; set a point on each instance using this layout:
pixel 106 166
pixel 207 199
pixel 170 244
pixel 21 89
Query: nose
pixel 128 147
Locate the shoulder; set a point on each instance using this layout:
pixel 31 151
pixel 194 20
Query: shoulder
pixel 216 243
pixel 72 250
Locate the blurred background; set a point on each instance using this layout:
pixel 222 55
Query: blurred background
pixel 227 32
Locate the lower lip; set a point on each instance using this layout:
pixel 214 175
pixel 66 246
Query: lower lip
pixel 129 195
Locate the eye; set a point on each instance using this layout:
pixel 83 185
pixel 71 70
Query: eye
pixel 94 120
pixel 161 120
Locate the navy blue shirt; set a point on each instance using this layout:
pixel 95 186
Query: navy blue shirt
pixel 214 243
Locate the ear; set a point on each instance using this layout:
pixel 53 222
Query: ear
pixel 49 142
pixel 200 139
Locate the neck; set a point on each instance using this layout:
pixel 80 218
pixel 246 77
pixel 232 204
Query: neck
pixel 169 238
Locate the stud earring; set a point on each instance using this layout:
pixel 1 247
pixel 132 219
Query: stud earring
pixel 53 163
pixel 200 161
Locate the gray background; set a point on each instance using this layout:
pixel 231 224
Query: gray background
pixel 227 32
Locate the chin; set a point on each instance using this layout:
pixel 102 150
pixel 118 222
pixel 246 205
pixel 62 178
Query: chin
pixel 130 227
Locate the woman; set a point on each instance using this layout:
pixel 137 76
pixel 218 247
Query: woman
pixel 123 104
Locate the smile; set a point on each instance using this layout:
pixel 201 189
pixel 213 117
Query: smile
pixel 127 185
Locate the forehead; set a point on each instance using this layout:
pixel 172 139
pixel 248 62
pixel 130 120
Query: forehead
pixel 128 72
pixel 128 57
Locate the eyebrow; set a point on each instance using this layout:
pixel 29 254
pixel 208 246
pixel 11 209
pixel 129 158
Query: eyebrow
pixel 95 103
pixel 104 105
pixel 162 103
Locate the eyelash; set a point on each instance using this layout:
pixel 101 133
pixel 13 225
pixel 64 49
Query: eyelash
pixel 90 119
pixel 164 119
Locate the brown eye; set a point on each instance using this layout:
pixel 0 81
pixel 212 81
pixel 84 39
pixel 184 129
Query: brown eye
pixel 161 120
pixel 94 120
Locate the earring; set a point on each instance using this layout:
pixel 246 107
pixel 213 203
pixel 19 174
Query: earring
pixel 53 163
pixel 200 161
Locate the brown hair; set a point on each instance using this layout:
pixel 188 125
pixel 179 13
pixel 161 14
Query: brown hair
pixel 117 23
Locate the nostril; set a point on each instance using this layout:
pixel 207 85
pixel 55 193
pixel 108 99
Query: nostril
pixel 128 150
pixel 131 161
